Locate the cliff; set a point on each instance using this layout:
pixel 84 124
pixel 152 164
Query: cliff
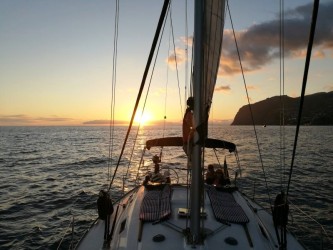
pixel 317 110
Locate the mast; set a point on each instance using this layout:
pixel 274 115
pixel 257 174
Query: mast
pixel 208 36
pixel 196 152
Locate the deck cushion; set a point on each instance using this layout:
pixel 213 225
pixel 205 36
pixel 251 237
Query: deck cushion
pixel 156 205
pixel 225 207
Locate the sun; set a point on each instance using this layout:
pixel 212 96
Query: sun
pixel 144 119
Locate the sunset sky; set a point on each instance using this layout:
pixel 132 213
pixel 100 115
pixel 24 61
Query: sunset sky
pixel 56 58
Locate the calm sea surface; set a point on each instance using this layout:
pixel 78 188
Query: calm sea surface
pixel 51 176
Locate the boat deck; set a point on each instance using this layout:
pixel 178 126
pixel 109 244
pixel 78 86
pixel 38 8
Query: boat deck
pixel 235 223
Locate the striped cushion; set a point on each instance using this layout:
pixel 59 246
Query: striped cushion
pixel 225 208
pixel 156 205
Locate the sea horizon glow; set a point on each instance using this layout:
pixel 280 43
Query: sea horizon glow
pixel 57 58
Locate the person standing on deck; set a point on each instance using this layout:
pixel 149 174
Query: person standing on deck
pixel 188 126
pixel 105 209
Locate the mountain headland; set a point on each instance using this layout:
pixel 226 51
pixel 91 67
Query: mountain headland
pixel 317 110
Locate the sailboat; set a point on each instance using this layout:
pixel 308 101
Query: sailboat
pixel 198 213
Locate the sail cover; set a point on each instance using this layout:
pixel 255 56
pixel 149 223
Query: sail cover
pixel 178 142
pixel 208 36
pixel 212 43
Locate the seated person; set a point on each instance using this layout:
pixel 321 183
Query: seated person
pixel 147 178
pixel 210 175
pixel 219 178
pixel 167 177
pixel 156 176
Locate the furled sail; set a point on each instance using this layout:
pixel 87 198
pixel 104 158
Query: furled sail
pixel 213 35
pixel 210 46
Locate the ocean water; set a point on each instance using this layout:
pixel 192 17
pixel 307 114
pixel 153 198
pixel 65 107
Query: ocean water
pixel 51 176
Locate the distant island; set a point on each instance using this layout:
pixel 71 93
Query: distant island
pixel 317 110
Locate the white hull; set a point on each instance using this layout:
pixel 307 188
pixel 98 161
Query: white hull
pixel 128 228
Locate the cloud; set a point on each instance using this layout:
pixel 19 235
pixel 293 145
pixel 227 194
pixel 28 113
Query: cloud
pixel 221 122
pixel 324 32
pixel 259 44
pixel 97 122
pixel 252 87
pixel 188 40
pixel 21 120
pixel 329 88
pixel 53 119
pixel 105 122
pixel 179 56
pixel 14 119
pixel 223 88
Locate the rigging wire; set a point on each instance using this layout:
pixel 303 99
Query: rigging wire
pixel 281 237
pixel 186 51
pixel 150 57
pixel 192 66
pixel 113 92
pixel 71 222
pixel 322 228
pixel 167 79
pixel 146 97
pixel 185 99
pixel 305 77
pixel 174 49
pixel 166 93
pixel 282 97
pixel 248 99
